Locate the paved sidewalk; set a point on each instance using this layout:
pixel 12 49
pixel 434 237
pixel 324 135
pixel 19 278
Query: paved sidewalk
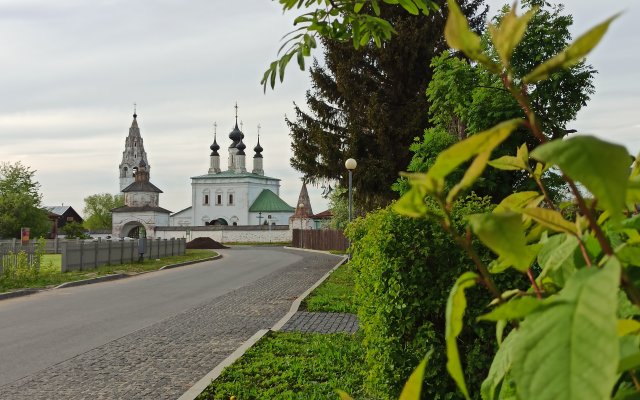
pixel 321 322
pixel 165 359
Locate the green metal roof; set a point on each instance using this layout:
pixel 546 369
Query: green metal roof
pixel 267 201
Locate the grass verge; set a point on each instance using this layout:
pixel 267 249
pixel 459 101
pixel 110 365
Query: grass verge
pixel 336 294
pixel 50 274
pixel 287 365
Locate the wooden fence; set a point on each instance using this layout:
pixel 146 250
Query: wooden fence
pixel 320 239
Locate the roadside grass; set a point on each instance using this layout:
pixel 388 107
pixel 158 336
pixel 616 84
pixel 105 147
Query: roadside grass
pixel 50 274
pixel 287 365
pixel 336 294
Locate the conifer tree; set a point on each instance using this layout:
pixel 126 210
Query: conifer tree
pixel 370 104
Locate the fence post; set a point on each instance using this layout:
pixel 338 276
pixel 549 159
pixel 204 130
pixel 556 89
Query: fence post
pixel 81 254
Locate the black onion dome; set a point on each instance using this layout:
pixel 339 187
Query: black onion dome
pixel 258 149
pixel 235 135
pixel 240 146
pixel 214 147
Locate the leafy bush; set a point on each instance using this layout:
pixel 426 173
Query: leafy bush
pixel 404 269
pixel 22 266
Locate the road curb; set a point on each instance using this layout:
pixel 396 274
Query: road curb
pixel 189 262
pixel 195 390
pixel 89 281
pixel 105 278
pixel 18 293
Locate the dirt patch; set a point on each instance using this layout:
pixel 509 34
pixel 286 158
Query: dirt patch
pixel 205 243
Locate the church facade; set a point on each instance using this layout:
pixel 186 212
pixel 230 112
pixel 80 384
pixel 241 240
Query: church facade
pixel 239 195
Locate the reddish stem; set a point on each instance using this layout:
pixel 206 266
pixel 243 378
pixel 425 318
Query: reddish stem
pixel 534 284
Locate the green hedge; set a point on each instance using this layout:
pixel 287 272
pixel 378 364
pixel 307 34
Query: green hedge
pixel 404 269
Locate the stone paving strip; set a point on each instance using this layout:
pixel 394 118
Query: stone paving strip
pixel 163 360
pixel 321 322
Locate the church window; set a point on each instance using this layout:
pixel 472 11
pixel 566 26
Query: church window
pixel 230 199
pixel 218 199
pixel 206 199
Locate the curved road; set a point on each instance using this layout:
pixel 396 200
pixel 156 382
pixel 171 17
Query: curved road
pixel 169 322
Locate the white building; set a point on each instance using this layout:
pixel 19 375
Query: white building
pixel 235 196
pixel 141 197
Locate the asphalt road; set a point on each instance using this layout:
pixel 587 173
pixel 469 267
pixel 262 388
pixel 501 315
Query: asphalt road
pixel 47 328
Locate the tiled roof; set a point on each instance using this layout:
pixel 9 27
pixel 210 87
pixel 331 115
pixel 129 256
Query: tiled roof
pixel 142 186
pixel 267 201
pixel 138 209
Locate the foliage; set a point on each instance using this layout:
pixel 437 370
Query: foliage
pixel 369 104
pixel 339 206
pixel 22 266
pixel 335 294
pixel 467 98
pixel 357 21
pixel 74 230
pixel 20 202
pixel 97 210
pixel 293 366
pixel 50 272
pixel 574 333
pixel 404 268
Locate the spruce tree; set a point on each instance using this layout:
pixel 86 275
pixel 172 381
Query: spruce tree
pixel 370 104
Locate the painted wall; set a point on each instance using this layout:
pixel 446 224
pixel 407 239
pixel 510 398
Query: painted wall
pixel 227 234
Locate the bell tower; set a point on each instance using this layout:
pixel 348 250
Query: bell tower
pixel 133 154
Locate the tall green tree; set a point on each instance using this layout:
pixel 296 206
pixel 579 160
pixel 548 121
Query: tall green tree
pixel 97 210
pixel 369 104
pixel 21 202
pixel 466 99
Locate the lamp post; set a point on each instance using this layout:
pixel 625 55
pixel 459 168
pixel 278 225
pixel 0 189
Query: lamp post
pixel 350 164
pixel 300 208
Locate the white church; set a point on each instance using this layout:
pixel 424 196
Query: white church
pixel 235 196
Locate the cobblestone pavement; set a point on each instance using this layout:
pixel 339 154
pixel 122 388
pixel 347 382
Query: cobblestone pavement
pixel 321 322
pixel 163 360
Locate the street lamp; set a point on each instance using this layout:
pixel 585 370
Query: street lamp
pixel 351 164
pixel 300 208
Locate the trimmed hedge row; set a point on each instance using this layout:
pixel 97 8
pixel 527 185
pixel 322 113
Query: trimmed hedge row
pixel 404 270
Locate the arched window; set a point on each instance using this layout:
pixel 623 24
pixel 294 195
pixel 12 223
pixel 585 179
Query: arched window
pixel 205 197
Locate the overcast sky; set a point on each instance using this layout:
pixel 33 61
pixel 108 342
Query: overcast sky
pixel 70 71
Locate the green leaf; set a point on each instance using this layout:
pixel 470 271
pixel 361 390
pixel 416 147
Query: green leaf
pixel 508 163
pixel 343 395
pixel 627 327
pixel 459 36
pixel 629 255
pixel 456 305
pixel 508 34
pixel 518 201
pixel 409 6
pixel 551 219
pixel 556 258
pixel 470 176
pixel 412 203
pixel 523 154
pixel 451 158
pixel 413 386
pixel 570 349
pixel 629 353
pixel 602 167
pixel 499 367
pixel 504 235
pixel 515 309
pixel 572 55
